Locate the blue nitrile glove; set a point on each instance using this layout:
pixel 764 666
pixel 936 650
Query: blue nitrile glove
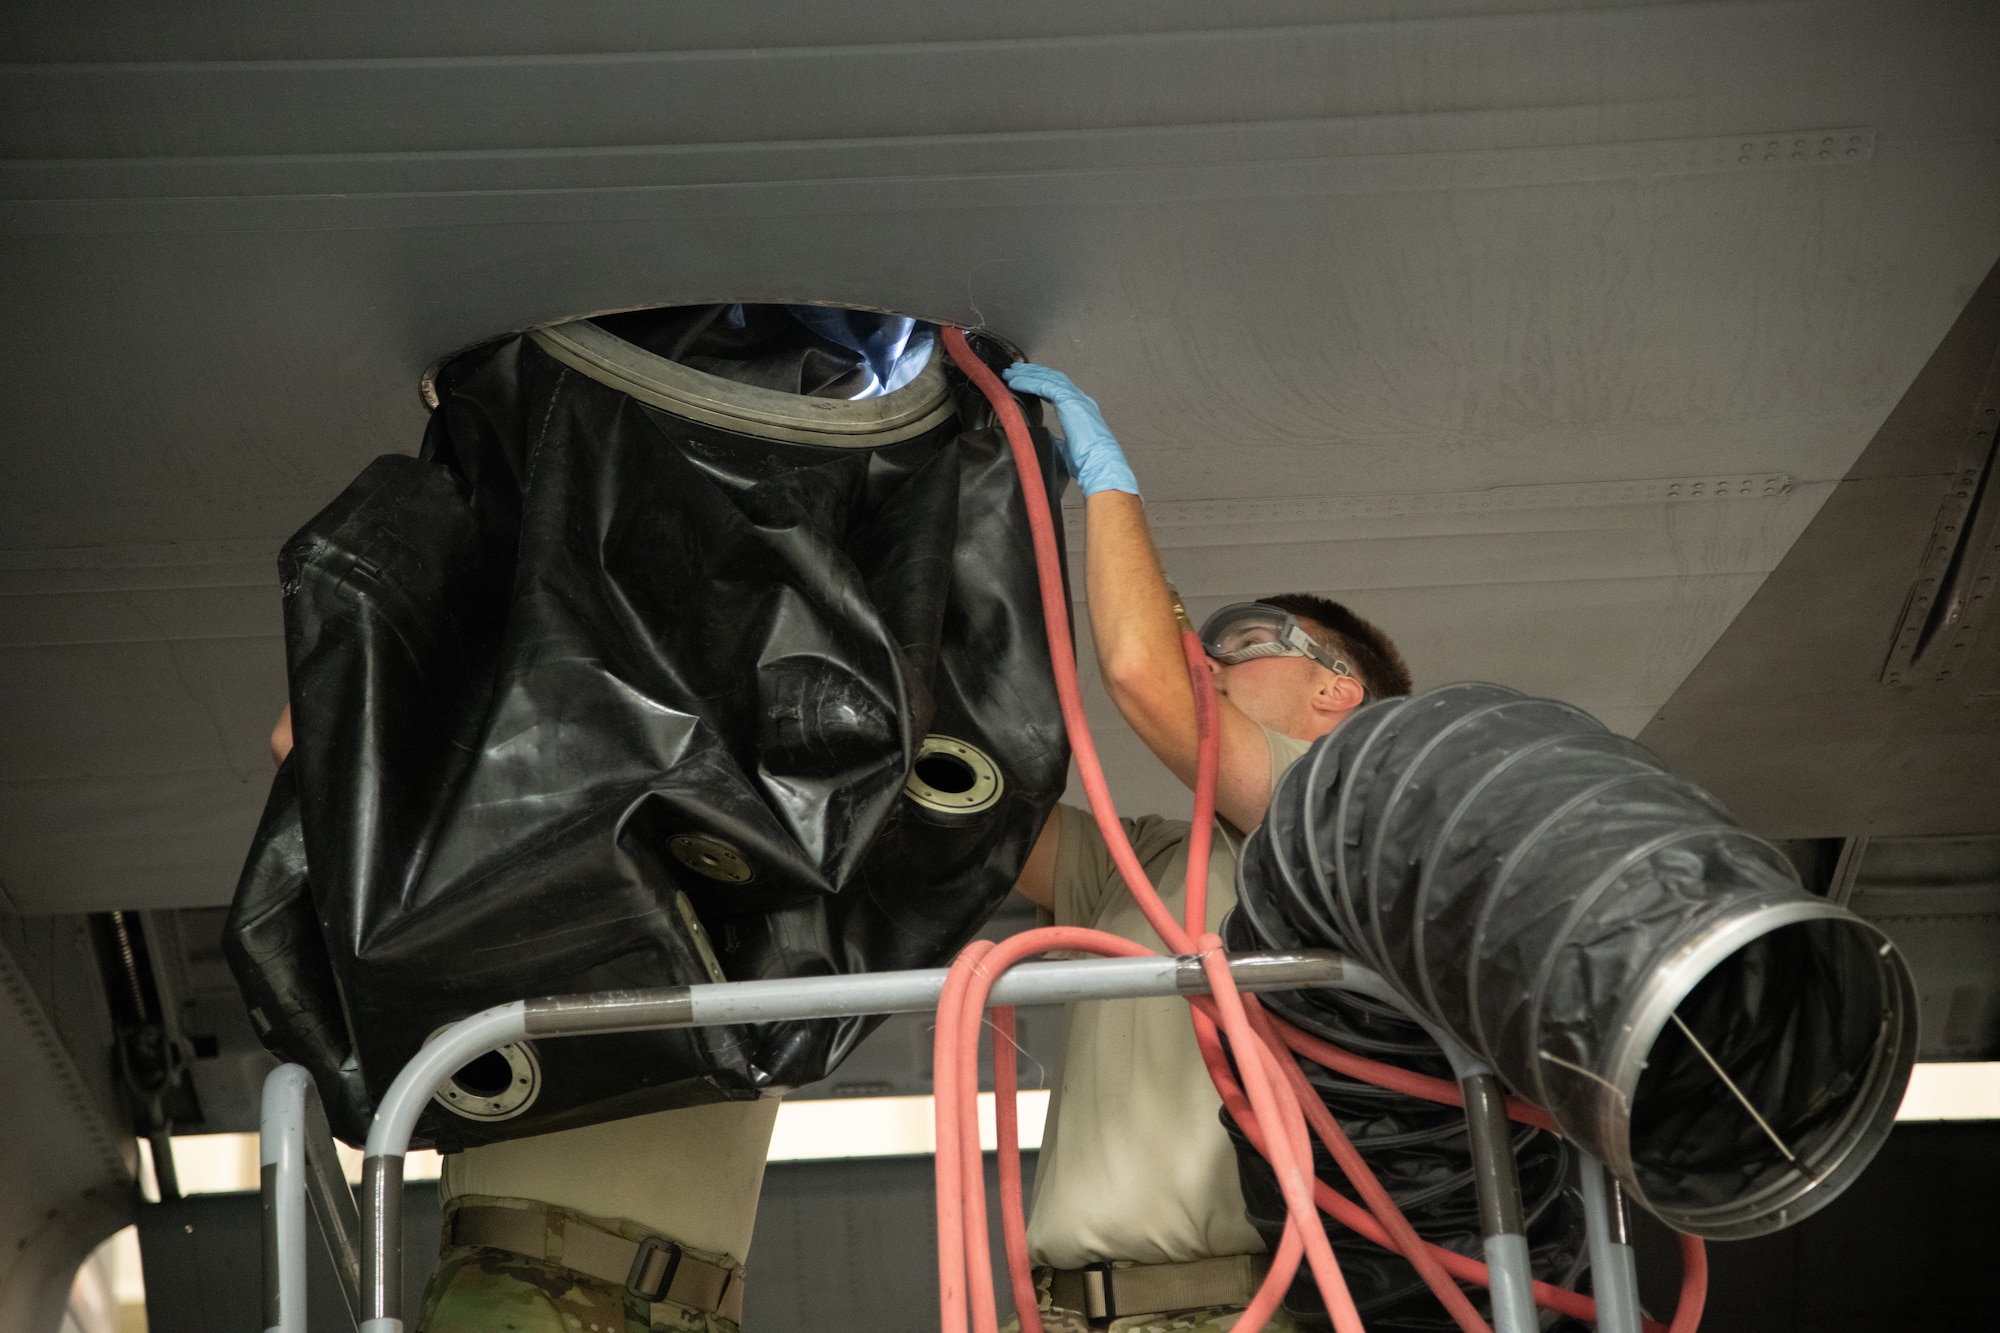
pixel 1088 447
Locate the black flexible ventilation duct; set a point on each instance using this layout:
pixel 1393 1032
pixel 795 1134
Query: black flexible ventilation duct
pixel 1604 934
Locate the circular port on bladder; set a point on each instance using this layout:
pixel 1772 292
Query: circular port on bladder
pixel 953 777
pixel 498 1085
pixel 711 857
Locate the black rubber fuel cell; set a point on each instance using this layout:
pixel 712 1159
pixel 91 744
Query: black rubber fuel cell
pixel 620 683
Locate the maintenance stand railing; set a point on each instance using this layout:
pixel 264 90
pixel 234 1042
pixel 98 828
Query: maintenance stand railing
pixel 365 1243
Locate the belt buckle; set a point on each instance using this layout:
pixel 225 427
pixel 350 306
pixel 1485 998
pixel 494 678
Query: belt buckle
pixel 635 1281
pixel 1098 1292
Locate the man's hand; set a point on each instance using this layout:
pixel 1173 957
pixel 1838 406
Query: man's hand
pixel 1089 449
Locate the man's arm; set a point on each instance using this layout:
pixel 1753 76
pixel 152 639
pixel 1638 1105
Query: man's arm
pixel 1139 655
pixel 1131 611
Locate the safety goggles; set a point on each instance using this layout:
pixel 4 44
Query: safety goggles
pixel 1243 631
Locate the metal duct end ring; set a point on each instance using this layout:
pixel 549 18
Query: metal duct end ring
pixel 953 777
pixel 499 1085
pixel 1808 1154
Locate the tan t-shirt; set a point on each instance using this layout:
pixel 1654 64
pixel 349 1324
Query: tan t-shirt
pixel 1134 1163
pixel 692 1175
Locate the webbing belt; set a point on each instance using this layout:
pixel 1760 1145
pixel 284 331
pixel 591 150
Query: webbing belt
pixel 655 1269
pixel 1103 1292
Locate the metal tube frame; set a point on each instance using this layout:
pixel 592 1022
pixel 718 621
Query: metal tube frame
pixel 298 1166
pixel 1496 1181
pixel 1614 1271
pixel 917 991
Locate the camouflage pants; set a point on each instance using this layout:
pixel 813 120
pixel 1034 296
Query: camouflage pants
pixel 480 1289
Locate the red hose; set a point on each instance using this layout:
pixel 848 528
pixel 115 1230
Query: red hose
pixel 1348 1158
pixel 1289 1151
pixel 1208 751
pixel 961 1166
pixel 1272 1091
pixel 950 1160
pixel 1406 1081
pixel 1007 1140
pixel 1062 649
pixel 1344 1211
pixel 1694 1285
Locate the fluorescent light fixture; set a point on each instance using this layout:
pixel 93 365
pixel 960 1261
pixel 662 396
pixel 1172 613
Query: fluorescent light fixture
pixel 806 1131
pixel 885 1127
pixel 850 1127
pixel 1958 1091
pixel 228 1164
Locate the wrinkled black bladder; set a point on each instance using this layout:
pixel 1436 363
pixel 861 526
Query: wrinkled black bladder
pixel 1603 933
pixel 618 684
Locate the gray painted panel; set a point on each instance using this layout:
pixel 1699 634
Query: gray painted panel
pixel 145 840
pixel 1786 718
pixel 1410 250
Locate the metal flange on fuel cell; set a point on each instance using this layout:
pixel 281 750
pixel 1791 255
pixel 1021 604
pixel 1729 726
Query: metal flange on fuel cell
pixel 496 1086
pixel 953 777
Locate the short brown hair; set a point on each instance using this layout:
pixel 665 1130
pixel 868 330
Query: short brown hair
pixel 1372 653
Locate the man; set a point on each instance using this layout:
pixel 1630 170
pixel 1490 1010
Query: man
pixel 1137 1212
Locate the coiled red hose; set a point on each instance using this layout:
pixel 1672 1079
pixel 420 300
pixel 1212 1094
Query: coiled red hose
pixel 1272 1091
